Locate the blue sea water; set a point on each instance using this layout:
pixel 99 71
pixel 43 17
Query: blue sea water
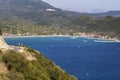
pixel 87 59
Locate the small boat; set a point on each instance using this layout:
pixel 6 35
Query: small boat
pixel 85 41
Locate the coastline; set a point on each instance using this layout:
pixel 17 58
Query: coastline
pixel 84 35
pixel 37 36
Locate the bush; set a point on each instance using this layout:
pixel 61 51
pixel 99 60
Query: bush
pixel 15 61
pixel 0 31
pixel 0 51
pixel 3 77
pixel 30 49
pixel 41 69
pixel 1 54
pixel 13 75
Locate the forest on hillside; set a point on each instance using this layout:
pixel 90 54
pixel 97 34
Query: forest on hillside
pixel 103 26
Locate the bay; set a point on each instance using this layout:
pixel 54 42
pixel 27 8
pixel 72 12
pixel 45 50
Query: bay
pixel 87 59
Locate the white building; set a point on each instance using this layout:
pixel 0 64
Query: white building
pixel 50 10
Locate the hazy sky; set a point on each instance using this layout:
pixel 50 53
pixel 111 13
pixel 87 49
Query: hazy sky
pixel 86 5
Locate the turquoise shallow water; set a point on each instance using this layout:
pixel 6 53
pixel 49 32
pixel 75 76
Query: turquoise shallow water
pixel 87 59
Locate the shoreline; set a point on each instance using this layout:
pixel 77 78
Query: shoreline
pixel 37 36
pixel 71 36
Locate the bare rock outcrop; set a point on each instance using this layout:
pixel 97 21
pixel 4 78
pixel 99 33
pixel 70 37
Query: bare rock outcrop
pixel 3 44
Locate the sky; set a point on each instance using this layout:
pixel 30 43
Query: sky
pixel 90 6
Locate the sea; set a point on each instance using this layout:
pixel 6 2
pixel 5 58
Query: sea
pixel 85 58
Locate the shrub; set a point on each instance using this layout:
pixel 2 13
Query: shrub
pixel 15 61
pixel 0 31
pixel 13 75
pixel 41 69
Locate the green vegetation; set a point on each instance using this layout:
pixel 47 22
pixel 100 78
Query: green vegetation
pixel 30 17
pixel 26 27
pixel 40 69
pixel 104 26
pixel 0 31
pixel 34 10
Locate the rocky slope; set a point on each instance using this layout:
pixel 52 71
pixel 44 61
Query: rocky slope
pixel 3 44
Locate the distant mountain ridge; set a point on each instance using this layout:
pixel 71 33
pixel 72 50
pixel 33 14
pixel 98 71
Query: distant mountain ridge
pixel 115 13
pixel 42 12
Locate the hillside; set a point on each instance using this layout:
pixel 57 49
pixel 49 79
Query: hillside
pixel 23 27
pixel 103 26
pixel 35 17
pixel 23 63
pixel 35 10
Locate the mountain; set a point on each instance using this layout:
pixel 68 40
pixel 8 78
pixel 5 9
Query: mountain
pixel 35 10
pixel 19 8
pixel 111 13
pixel 29 17
pixel 115 13
pixel 98 10
pixel 41 12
